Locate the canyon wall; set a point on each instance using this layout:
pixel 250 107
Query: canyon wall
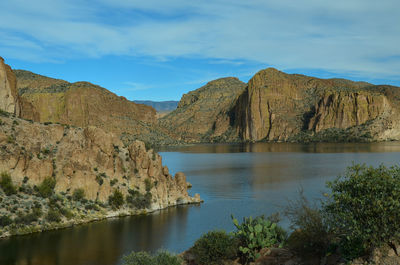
pixel 278 107
pixel 9 99
pixel 205 114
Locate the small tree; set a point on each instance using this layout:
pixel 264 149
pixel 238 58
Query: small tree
pixel 364 208
pixel 46 188
pixel 78 195
pixel 6 184
pixel 116 199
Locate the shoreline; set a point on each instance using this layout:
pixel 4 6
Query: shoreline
pixel 32 229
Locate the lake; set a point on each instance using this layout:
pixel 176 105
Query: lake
pixel 243 180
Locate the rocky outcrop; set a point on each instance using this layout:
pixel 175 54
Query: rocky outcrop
pixel 205 115
pixel 89 158
pixel 84 104
pixel 80 104
pixel 278 107
pixel 9 100
pixel 343 110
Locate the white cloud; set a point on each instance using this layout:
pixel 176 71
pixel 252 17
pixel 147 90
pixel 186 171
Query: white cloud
pixel 337 36
pixel 134 86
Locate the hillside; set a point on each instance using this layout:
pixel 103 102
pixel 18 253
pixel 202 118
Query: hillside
pixel 205 115
pixel 84 104
pixel 275 106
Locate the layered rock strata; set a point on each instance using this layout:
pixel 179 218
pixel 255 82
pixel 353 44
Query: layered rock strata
pixel 277 107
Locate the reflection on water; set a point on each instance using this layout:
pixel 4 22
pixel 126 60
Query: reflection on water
pixel 248 179
pixel 97 243
pixel 287 147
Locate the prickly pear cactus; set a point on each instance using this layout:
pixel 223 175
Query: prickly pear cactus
pixel 256 234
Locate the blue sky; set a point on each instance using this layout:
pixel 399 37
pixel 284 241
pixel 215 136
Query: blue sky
pixel 158 50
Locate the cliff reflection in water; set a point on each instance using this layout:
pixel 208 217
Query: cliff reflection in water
pixel 287 147
pixel 98 243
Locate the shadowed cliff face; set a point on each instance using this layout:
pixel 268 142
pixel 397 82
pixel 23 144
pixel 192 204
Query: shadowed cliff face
pixel 278 107
pixel 205 115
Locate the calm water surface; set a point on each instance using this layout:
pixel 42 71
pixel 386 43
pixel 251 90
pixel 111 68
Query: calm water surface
pixel 242 180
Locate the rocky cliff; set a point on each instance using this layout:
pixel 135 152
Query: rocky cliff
pixel 9 100
pixel 273 106
pixel 91 159
pixel 205 115
pixel 286 107
pixel 84 104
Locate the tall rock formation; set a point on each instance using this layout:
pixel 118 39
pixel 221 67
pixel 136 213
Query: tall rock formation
pixel 206 114
pixel 80 104
pixel 279 107
pixel 9 100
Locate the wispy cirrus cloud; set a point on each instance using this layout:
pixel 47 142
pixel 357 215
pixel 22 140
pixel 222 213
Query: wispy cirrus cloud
pixel 135 86
pixel 340 36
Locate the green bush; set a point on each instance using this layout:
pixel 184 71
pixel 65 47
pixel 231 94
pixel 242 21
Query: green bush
pixel 214 247
pixel 25 219
pixel 5 220
pixel 113 182
pixel 258 233
pixel 148 184
pixel 138 258
pixel 37 212
pixel 310 236
pixel 7 185
pixel 46 188
pixel 78 194
pixel 138 200
pixel 364 208
pixel 53 215
pixel 116 199
pixel 66 212
pixel 144 258
pixel 165 258
pixel 99 180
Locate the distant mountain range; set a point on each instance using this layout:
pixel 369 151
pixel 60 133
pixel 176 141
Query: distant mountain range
pixel 159 105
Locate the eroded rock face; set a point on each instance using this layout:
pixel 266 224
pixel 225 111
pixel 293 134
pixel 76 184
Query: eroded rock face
pixel 343 110
pixel 86 158
pixel 205 115
pixel 84 104
pixel 277 106
pixel 9 100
